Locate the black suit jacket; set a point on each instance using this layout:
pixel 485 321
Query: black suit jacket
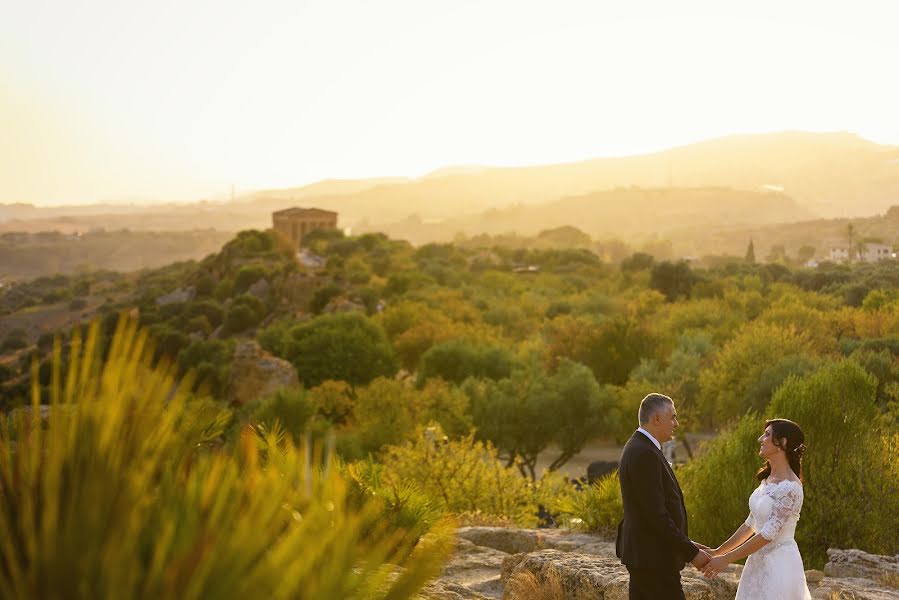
pixel 653 534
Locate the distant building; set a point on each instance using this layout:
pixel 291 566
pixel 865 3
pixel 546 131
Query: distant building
pixel 295 223
pixel 871 253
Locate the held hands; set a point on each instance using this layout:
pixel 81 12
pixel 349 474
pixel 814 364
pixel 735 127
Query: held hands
pixel 715 566
pixel 701 559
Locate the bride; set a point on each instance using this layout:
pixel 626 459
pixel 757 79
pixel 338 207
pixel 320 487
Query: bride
pixel 774 567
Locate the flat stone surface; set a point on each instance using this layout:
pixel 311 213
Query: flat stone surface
pixel 591 576
pixel 487 558
pixel 857 563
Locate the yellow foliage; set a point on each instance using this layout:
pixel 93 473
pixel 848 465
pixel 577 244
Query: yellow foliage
pixel 123 491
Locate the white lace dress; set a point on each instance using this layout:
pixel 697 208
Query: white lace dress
pixel 775 572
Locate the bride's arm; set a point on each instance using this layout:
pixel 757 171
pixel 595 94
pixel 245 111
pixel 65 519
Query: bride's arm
pixel 718 563
pixel 743 533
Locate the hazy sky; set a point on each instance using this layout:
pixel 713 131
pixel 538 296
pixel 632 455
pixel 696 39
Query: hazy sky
pixel 177 100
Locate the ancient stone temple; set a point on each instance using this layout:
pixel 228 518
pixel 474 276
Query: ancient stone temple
pixel 294 223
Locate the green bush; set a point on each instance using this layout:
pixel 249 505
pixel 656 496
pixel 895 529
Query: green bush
pixel 126 486
pixel 850 471
pixel 247 276
pixel 749 368
pixel 11 344
pixel 346 347
pixel 457 360
pixel 598 508
pixel 323 296
pixel 524 414
pixel 291 409
pixel 717 483
pixel 463 476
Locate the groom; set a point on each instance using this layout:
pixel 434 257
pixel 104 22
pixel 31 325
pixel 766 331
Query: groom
pixel 652 539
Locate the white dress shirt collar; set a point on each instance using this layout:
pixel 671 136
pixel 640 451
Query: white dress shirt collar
pixel 649 435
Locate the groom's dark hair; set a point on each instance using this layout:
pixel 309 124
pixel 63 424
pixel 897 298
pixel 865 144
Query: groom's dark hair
pixel 652 404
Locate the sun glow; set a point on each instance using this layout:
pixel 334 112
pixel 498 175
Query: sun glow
pixel 179 100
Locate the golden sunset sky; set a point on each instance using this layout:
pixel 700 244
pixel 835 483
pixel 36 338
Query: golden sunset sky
pixel 112 100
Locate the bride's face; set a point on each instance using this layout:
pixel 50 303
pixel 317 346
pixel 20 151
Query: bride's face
pixel 767 449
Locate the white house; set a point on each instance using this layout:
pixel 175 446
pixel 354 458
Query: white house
pixel 871 253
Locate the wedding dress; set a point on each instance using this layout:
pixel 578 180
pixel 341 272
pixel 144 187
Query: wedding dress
pixel 775 572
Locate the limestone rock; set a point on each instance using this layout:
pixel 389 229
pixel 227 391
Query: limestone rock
pixel 813 576
pixel 514 541
pixel 341 305
pixel 259 289
pixel 180 295
pixel 445 590
pixel 255 373
pixel 511 541
pixel 590 576
pixel 853 588
pixel 859 564
pixel 471 570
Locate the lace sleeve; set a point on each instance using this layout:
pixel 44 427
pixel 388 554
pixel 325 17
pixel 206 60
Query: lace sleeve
pixel 787 500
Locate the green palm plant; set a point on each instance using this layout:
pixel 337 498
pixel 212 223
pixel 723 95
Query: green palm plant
pixel 122 490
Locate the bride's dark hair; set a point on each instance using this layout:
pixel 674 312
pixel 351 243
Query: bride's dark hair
pixel 795 445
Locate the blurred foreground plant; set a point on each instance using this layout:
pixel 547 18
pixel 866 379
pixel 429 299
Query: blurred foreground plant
pixel 121 490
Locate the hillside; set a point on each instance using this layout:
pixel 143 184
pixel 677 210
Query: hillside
pixel 828 175
pixel 622 213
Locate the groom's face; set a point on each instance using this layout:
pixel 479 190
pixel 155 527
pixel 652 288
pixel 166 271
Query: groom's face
pixel 667 422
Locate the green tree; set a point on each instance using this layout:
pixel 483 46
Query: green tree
pixel 749 368
pixel 346 347
pixel 524 414
pixel 805 254
pixel 674 280
pixel 611 348
pixel 638 261
pixel 457 360
pixel 750 253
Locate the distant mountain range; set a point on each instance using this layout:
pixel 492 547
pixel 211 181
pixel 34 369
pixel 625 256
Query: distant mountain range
pixel 744 179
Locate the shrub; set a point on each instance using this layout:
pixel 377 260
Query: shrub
pixel 247 276
pixel 123 479
pixel 674 280
pixel 457 360
pixel 323 296
pixel 11 344
pixel 77 304
pixel 850 471
pixel 240 318
pixel 598 508
pixel 347 347
pixel 749 368
pixel 464 476
pixel 290 409
pixel 524 414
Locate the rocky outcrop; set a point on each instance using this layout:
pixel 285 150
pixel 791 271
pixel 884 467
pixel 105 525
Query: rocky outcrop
pixel 587 576
pixel 500 563
pixel 342 305
pixel 255 373
pixel 260 289
pixel 180 295
pixel 859 564
pixel 514 541
pixel 858 575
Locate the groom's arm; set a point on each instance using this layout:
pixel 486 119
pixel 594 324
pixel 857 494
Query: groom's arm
pixel 650 498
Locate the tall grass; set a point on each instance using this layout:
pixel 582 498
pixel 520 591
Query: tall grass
pixel 123 491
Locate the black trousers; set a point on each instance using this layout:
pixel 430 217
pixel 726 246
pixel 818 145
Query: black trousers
pixel 655 584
